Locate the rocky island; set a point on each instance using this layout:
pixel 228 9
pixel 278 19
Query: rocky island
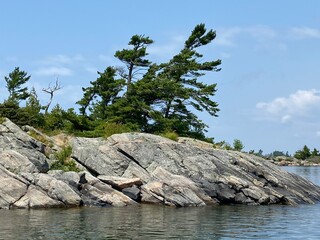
pixel 135 168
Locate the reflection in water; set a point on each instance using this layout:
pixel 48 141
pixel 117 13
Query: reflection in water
pixel 157 222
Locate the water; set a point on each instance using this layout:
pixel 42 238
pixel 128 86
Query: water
pixel 156 222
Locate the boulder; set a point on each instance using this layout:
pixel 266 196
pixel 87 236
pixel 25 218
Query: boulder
pixel 16 162
pixel 132 192
pixel 70 178
pixel 13 138
pixel 161 193
pixel 96 193
pixel 98 157
pixel 120 183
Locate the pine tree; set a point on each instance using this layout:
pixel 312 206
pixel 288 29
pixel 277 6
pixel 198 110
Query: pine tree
pixel 165 97
pixel 174 88
pixel 15 82
pixel 134 58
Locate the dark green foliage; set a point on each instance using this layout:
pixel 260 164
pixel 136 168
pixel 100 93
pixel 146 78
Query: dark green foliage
pixel 20 116
pixel 277 154
pixel 171 135
pixel 10 108
pixel 163 98
pixel 15 82
pixel 110 128
pixel 134 58
pixel 33 109
pixel 174 88
pixel 303 154
pixel 64 162
pixel 102 93
pixel 238 145
pixel 315 153
pixel 141 96
pixel 55 119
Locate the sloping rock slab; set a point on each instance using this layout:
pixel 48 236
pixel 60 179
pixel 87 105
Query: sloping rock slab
pixel 56 189
pixel 36 198
pixel 12 188
pixel 159 192
pixel 13 138
pixel 226 176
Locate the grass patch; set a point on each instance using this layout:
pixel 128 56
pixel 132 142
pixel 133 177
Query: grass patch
pixel 171 135
pixel 2 119
pixel 64 162
pixel 115 128
pixel 40 138
pixel 106 129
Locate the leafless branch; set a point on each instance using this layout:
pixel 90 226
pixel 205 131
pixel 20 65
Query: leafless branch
pixel 51 90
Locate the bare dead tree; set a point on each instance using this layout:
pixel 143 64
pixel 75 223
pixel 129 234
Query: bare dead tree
pixel 51 90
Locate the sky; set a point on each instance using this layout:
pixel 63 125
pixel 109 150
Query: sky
pixel 268 88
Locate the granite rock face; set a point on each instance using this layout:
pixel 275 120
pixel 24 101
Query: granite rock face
pixel 183 174
pixel 133 168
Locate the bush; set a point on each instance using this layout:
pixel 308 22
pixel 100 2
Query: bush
pixel 238 145
pixel 303 154
pixel 64 162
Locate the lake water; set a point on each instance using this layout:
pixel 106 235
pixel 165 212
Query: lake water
pixel 156 222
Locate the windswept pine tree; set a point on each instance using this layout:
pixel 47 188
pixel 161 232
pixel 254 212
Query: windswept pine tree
pixel 15 81
pixel 164 96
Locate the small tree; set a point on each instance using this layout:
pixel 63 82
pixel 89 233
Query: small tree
pixel 238 145
pixel 33 108
pixel 15 82
pixel 303 154
pixel 315 153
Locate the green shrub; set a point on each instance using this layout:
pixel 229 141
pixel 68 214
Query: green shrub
pixel 64 162
pixel 90 134
pixel 171 135
pixel 2 119
pixel 237 145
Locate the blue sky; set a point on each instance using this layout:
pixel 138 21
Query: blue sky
pixel 269 85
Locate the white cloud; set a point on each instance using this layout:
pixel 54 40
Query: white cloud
pixel 61 59
pixel 54 71
pixel 227 36
pixel 285 118
pixel 106 58
pixel 91 69
pixel 169 49
pixel 305 32
pixel 296 104
pixel 260 33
